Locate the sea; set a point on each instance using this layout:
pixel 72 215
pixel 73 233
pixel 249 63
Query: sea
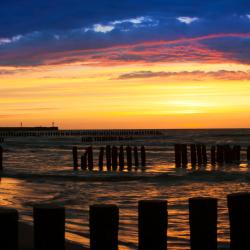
pixel 39 170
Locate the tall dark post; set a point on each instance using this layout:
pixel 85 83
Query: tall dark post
pixel 227 153
pixel 204 154
pixel 121 158
pixel 129 157
pixel 9 228
pixel 136 158
pixel 238 153
pixel 239 217
pixel 1 158
pixel 203 223
pixel 90 158
pixel 184 155
pixel 49 227
pixel 75 158
pixel 152 225
pixel 101 156
pixel 84 160
pixel 143 156
pixel 177 152
pixel 220 155
pixel 213 155
pixel 103 223
pixel 193 154
pixel 114 158
pixel 248 153
pixel 199 154
pixel 108 157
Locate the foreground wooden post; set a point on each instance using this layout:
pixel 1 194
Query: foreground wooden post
pixel 177 152
pixel 239 217
pixel 8 229
pixel 108 157
pixel 1 158
pixel 121 158
pixel 193 154
pixel 114 158
pixel 129 157
pixel 213 155
pixel 136 158
pixel 152 224
pixel 90 158
pixel 84 160
pixel 203 223
pixel 100 160
pixel 103 223
pixel 143 156
pixel 49 227
pixel 75 158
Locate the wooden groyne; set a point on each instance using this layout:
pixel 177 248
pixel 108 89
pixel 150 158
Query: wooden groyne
pixel 153 221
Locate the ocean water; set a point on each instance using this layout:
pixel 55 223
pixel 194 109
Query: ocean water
pixel 39 169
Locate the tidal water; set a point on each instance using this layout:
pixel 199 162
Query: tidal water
pixel 39 169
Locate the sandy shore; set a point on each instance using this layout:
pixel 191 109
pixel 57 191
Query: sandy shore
pixel 26 239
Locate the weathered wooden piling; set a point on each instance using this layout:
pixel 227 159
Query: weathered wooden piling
pixel 136 158
pixel 248 153
pixel 204 154
pixel 199 154
pixel 203 223
pixel 236 153
pixel 152 224
pixel 220 154
pixel 114 158
pixel 1 158
pixel 143 156
pixel 129 157
pixel 75 158
pixel 8 228
pixel 239 218
pixel 103 223
pixel 108 157
pixel 184 155
pixel 90 158
pixel 193 154
pixel 213 155
pixel 121 158
pixel 177 152
pixel 49 227
pixel 100 159
pixel 227 154
pixel 84 160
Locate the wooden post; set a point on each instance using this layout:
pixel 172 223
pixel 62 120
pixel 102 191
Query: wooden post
pixel 152 224
pixel 238 153
pixel 101 156
pixel 103 223
pixel 199 154
pixel 203 223
pixel 75 158
pixel 84 160
pixel 114 158
pixel 220 155
pixel 193 154
pixel 204 154
pixel 49 227
pixel 213 155
pixel 129 157
pixel 239 218
pixel 8 228
pixel 90 158
pixel 121 158
pixel 177 151
pixel 184 155
pixel 248 153
pixel 1 158
pixel 136 158
pixel 108 157
pixel 143 156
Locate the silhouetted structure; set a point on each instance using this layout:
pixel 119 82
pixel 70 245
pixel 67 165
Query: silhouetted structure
pixel 129 157
pixel 121 158
pixel 193 154
pixel 101 157
pixel 213 155
pixel 75 158
pixel 1 158
pixel 114 158
pixel 136 158
pixel 143 156
pixel 108 157
pixel 90 158
pixel 84 160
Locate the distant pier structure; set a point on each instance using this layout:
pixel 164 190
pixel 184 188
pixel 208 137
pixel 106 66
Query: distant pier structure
pixel 87 135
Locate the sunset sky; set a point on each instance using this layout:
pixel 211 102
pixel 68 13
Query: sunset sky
pixel 125 64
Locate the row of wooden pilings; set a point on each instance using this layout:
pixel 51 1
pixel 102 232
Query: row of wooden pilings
pixel 49 225
pixel 114 157
pixel 198 154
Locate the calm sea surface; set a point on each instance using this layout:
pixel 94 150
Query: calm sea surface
pixel 40 170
